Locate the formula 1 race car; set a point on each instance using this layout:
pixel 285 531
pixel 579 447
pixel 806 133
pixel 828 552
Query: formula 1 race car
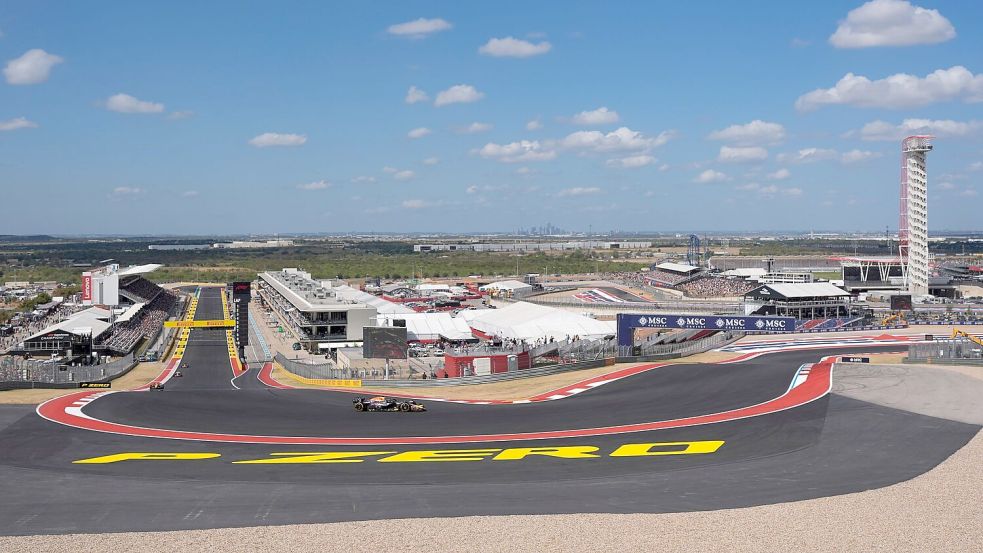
pixel 184 365
pixel 156 386
pixel 178 374
pixel 381 403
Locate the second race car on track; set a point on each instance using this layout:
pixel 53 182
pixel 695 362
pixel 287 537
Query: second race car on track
pixel 380 403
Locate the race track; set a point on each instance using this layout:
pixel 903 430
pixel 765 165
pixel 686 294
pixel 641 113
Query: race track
pixel 231 451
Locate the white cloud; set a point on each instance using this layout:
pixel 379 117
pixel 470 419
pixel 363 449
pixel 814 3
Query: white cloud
pixel 124 103
pixel 664 167
pixel 17 123
pixel 739 154
pixel 517 152
pixel 189 194
pixel 405 174
pixel 415 204
pixel 799 43
pixel 969 192
pixel 534 124
pixel 579 191
pixel 882 130
pixel 476 127
pixel 769 190
pixel 476 189
pixel 418 132
pixel 946 185
pixel 524 171
pixel 855 156
pixel 599 116
pixel 180 114
pixel 631 162
pixel 414 95
pixel 709 176
pixel 511 47
pixel 316 185
pixel 268 139
pixel 780 174
pixel 891 23
pixel 363 179
pixel 622 139
pixel 125 191
pixel 808 155
pixel 898 91
pixel 31 68
pixel 419 28
pixel 458 94
pixel 389 170
pixel 431 161
pixel 976 166
pixel 755 132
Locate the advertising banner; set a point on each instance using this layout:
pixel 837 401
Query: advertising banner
pixel 87 288
pixel 627 322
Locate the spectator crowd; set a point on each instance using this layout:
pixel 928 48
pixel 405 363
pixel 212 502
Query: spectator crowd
pixel 716 287
pixel 144 324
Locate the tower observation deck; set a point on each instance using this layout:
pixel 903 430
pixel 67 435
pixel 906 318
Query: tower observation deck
pixel 913 224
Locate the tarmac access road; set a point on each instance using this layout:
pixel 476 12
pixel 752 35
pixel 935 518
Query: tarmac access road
pixel 715 436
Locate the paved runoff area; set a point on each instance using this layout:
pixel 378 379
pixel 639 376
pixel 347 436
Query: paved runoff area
pixel 221 448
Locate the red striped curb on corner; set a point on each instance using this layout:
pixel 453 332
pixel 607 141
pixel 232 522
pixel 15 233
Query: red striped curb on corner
pixel 67 410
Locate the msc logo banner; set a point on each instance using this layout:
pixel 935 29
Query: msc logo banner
pixel 627 322
pixel 649 449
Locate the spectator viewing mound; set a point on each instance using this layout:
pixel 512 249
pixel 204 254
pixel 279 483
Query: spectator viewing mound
pixel 716 287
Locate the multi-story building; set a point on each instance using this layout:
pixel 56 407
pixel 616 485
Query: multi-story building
pixel 317 316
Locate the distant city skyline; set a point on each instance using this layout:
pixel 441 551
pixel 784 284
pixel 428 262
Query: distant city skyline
pixel 210 119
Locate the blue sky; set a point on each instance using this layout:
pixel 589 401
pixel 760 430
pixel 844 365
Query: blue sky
pixel 231 117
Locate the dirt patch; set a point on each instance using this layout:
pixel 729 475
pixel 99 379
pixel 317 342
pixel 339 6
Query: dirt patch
pixel 140 376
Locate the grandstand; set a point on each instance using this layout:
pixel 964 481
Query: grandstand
pixel 670 274
pixel 142 321
pixel 813 301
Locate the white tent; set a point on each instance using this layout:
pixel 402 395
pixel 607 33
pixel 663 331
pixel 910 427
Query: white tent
pixel 510 285
pixel 530 322
pixel 431 326
pixel 346 292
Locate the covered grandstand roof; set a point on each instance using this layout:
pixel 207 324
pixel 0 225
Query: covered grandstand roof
pixel 93 320
pixel 794 291
pixel 432 326
pixel 140 269
pixel 530 322
pixel 130 312
pixel 677 267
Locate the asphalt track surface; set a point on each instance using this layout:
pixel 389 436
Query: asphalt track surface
pixel 829 446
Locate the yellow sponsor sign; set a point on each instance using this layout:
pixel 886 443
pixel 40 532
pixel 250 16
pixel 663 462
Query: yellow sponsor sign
pixel 652 449
pixel 221 323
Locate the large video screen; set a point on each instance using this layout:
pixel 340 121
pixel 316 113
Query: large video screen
pixel 901 302
pixel 384 342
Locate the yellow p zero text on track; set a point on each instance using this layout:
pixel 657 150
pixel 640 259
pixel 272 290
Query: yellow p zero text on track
pixel 645 449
